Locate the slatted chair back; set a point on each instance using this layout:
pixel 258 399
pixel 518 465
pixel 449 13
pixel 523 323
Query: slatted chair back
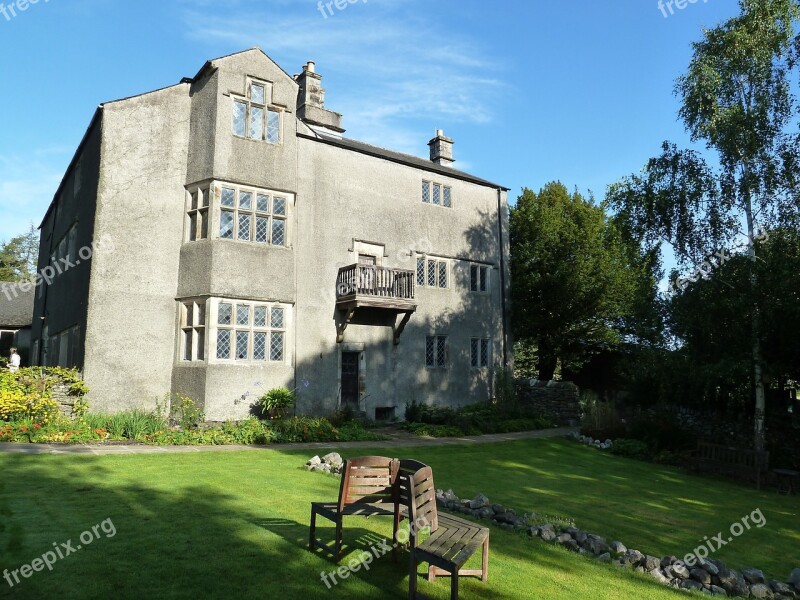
pixel 368 480
pixel 421 501
pixel 408 466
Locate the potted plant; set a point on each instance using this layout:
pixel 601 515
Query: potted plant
pixel 275 404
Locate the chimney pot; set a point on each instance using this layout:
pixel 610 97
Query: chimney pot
pixel 441 149
pixel 311 66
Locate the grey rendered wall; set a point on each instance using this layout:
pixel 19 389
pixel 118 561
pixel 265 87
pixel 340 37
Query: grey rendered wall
pixel 63 303
pixel 130 339
pixel 232 269
pixel 344 196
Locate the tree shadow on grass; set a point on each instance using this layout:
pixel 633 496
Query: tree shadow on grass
pixel 192 541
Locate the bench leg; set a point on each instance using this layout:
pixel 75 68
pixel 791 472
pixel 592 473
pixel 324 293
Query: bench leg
pixel 431 573
pixel 485 561
pixel 454 587
pixel 338 546
pixel 412 577
pixel 312 539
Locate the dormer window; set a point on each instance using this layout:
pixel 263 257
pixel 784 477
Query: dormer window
pixel 253 116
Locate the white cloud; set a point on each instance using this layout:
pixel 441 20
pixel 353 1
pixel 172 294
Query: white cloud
pixel 387 65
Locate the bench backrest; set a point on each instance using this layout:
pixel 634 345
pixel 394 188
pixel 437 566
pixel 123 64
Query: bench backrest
pixel 368 480
pixel 420 499
pixel 407 467
pixel 731 455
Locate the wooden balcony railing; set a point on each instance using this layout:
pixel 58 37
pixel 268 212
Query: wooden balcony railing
pixel 375 283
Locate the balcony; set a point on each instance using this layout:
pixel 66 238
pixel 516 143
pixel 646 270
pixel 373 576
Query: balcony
pixel 369 286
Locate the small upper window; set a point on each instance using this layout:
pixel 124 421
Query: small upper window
pixel 254 118
pixel 437 194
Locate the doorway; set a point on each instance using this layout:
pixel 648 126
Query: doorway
pixel 350 380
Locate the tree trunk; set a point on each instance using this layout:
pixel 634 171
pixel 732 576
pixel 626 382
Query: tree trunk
pixel 759 441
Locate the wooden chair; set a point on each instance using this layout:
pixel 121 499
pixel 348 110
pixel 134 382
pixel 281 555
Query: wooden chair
pixel 452 541
pixel 368 488
pixel 407 466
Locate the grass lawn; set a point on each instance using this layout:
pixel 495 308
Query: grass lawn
pixel 235 525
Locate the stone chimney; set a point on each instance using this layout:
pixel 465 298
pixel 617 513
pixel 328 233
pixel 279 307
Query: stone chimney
pixel 442 149
pixel 311 103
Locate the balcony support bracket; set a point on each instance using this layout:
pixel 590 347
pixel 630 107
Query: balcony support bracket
pixel 348 317
pixel 398 330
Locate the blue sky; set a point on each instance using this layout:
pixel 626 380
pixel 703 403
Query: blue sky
pixel 531 91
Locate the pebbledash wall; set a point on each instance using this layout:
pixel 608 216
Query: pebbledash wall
pixel 170 175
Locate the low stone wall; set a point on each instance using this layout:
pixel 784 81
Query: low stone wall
pixel 557 400
pixel 66 401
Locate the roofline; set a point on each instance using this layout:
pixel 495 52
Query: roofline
pixel 210 64
pixel 79 150
pixel 448 172
pixel 95 120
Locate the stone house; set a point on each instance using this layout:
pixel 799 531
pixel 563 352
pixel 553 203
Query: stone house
pixel 221 237
pixel 16 316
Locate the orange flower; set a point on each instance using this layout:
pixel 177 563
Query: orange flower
pixel 37 426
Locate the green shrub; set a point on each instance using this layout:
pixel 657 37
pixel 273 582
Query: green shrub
pixel 186 412
pixel 275 404
pixel 303 429
pixel 631 449
pixel 342 416
pixel 353 431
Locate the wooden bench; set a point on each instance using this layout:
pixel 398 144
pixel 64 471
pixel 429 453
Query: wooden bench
pixel 368 488
pixel 732 461
pixel 452 541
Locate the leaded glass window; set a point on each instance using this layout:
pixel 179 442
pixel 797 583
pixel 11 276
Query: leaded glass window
pixel 253 118
pixel 436 351
pixel 245 216
pixel 248 331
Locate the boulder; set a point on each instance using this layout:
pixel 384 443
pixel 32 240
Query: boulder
pixel 717 591
pixel 485 512
pixel 618 548
pixel 680 571
pixel 690 584
pixel 710 567
pixel 498 508
pixel 794 578
pixel 314 461
pixel 668 560
pixel 606 558
pixel 659 576
pixel 784 589
pixel 479 501
pixel 651 563
pixel 450 496
pixel 632 558
pixel 760 590
pixel 547 533
pixel 700 575
pixel 572 545
pixel 596 544
pixel 563 538
pixel 753 576
pixel 334 459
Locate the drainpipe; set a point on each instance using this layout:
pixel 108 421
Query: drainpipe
pixel 502 274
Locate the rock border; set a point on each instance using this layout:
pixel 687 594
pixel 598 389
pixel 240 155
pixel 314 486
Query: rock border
pixel 710 576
